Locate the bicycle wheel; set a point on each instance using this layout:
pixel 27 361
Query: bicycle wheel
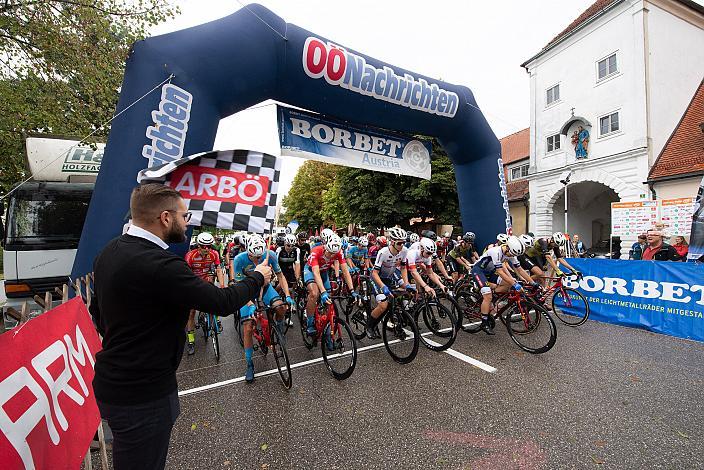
pixel 400 334
pixel 203 324
pixel 214 336
pixel 238 329
pixel 339 349
pixel 530 326
pixel 570 306
pixel 438 329
pixel 357 319
pixel 470 307
pixel 278 347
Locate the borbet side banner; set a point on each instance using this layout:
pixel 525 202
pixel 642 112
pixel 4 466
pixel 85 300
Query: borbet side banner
pixel 320 138
pixel 48 413
pixel 231 189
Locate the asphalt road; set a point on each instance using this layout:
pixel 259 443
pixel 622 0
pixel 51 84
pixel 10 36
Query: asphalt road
pixel 603 397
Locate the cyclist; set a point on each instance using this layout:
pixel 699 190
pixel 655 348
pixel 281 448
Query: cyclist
pixel 289 260
pixel 461 255
pixel 202 261
pixel 535 271
pixel 556 243
pixel 412 238
pixel 315 275
pixel 245 262
pixel 385 276
pixel 358 255
pixel 439 264
pixel 421 255
pixel 491 272
pixel 303 247
pixel 381 242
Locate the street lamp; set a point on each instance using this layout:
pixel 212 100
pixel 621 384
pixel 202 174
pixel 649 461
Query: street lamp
pixel 565 179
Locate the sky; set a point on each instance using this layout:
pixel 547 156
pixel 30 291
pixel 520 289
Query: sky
pixel 477 44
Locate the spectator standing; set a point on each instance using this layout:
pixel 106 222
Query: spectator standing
pixel 657 249
pixel 580 248
pixel 143 294
pixel 637 248
pixel 681 246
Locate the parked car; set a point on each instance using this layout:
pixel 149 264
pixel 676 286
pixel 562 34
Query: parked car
pixel 601 249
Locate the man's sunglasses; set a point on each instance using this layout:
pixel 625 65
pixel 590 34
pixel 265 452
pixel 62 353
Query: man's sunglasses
pixel 186 215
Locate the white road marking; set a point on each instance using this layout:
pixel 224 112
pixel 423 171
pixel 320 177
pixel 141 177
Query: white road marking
pixel 451 352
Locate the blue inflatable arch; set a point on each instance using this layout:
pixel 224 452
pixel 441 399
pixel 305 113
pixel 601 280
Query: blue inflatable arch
pixel 228 65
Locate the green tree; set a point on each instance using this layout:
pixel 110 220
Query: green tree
pixel 61 67
pixel 378 199
pixel 304 201
pixel 335 206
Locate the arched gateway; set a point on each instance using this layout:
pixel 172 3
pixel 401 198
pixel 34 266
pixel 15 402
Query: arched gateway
pixel 228 65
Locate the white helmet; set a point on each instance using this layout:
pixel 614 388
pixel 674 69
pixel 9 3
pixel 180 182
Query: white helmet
pixel 428 245
pixel 515 246
pixel 363 241
pixel 290 239
pixel 205 239
pixel 256 246
pixel 333 244
pixel 446 235
pixel 502 238
pixel 559 238
pixel 244 236
pixel 326 233
pixel 527 240
pixel 397 234
pixel 414 237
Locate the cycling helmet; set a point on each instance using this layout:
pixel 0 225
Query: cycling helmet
pixel 382 241
pixel 447 235
pixel 428 245
pixel 353 240
pixel 470 237
pixel 515 246
pixel 371 238
pixel 502 238
pixel 414 237
pixel 326 233
pixel 205 239
pixel 527 240
pixel 559 238
pixel 363 241
pixel 397 234
pixel 302 236
pixel 256 246
pixel 290 239
pixel 429 234
pixel 333 244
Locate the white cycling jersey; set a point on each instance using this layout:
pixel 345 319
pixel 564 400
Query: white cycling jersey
pixel 415 257
pixel 386 262
pixel 494 258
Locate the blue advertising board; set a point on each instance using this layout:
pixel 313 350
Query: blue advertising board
pixel 660 296
pixel 320 138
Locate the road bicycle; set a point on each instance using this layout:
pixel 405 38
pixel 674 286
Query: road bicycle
pixel 337 342
pixel 265 337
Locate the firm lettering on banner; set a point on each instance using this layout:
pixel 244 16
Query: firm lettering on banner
pixel 48 413
pixel 231 189
pixel 504 196
pixel 348 70
pixel 168 134
pixel 320 138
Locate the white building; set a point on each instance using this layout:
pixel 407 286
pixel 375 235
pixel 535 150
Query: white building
pixel 626 71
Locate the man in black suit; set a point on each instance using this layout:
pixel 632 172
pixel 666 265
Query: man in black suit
pixel 143 294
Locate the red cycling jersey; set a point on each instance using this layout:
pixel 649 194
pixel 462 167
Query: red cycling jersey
pixel 200 263
pixel 317 258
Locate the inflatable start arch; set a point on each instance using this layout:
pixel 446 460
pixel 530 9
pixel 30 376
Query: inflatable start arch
pixel 228 65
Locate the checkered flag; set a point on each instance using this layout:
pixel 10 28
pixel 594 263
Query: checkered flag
pixel 230 189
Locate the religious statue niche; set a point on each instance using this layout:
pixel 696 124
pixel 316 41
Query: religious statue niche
pixel 580 141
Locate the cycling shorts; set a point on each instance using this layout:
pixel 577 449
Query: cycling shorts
pixel 309 278
pixel 483 279
pixel 391 282
pixel 526 263
pixel 455 266
pixel 539 261
pixel 270 296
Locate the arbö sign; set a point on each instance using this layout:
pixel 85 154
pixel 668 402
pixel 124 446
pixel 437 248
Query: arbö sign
pixel 48 413
pixel 315 137
pixel 659 296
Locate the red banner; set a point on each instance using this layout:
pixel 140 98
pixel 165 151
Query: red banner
pixel 217 184
pixel 48 413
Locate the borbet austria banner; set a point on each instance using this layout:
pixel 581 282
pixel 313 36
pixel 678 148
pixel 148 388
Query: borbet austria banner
pixel 665 297
pixel 48 413
pixel 316 137
pixel 232 189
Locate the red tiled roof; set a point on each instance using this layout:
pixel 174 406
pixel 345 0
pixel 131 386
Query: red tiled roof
pixel 684 151
pixel 596 8
pixel 516 146
pixel 517 190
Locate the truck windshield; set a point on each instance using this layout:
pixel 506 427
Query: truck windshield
pixel 49 219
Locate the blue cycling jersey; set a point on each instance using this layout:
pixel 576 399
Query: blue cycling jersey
pixel 243 265
pixel 357 254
